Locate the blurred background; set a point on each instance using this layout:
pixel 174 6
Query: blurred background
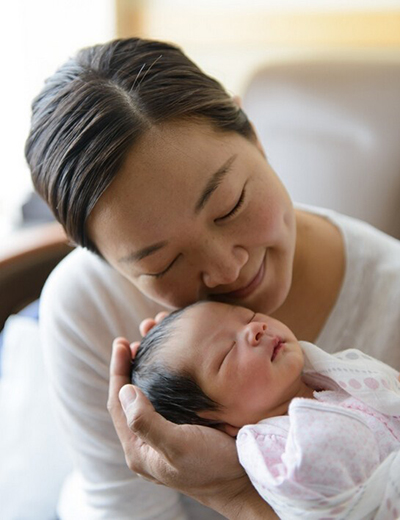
pixel 230 39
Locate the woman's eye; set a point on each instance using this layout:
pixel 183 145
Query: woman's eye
pixel 236 207
pixel 165 271
pixel 160 275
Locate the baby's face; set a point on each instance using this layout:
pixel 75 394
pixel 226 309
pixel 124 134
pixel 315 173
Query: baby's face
pixel 249 363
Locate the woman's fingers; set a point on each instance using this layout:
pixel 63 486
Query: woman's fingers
pixel 134 348
pixel 147 324
pixel 160 316
pixel 140 457
pixel 172 449
pixel 120 358
pixel 158 433
pixel 157 451
pixel 119 377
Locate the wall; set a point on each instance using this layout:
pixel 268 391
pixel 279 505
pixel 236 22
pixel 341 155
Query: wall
pixel 231 38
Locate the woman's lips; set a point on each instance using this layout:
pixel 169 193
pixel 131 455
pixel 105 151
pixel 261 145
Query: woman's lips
pixel 252 286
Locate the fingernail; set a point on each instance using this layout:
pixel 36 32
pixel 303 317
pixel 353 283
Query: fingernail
pixel 127 395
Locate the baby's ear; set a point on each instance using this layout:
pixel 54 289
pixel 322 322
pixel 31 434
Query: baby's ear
pixel 229 429
pixel 224 427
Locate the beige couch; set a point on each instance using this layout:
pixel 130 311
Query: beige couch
pixel 331 130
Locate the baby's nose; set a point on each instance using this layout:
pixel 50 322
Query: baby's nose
pixel 254 332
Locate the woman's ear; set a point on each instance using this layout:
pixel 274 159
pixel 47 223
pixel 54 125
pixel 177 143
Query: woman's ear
pixel 238 101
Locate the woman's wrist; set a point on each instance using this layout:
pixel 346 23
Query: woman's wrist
pixel 249 506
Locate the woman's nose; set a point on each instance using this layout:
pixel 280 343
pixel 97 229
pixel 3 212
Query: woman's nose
pixel 253 333
pixel 224 267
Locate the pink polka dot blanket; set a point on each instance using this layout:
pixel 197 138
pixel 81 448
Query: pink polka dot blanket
pixel 336 456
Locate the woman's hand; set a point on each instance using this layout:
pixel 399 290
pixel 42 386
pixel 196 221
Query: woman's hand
pixel 198 461
pixel 149 323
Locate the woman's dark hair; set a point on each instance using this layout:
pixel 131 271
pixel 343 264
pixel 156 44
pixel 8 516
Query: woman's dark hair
pixel 175 395
pixel 98 104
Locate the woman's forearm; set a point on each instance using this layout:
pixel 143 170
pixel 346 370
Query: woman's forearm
pixel 255 508
pixel 246 504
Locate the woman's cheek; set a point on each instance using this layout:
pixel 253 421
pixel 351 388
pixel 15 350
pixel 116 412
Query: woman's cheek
pixel 261 219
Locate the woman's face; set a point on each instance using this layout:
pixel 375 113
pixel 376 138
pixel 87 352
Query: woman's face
pixel 196 214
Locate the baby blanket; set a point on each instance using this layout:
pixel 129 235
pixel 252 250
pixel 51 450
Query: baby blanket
pixel 335 457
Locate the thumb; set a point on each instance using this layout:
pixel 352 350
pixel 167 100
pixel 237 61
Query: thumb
pixel 127 396
pixel 146 423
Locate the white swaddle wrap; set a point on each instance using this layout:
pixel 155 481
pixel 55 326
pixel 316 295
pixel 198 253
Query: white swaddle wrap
pixel 337 456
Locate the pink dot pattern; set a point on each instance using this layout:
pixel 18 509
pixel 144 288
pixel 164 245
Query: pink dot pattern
pixel 392 511
pixel 355 384
pixel 371 383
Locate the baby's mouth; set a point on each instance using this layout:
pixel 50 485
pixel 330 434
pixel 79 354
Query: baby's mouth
pixel 277 347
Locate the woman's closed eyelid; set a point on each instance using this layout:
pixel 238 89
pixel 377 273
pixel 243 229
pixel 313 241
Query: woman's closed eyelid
pixel 235 208
pixel 164 271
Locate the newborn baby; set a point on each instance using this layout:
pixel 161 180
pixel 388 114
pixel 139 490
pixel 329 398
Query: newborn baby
pixel 330 424
pixel 220 365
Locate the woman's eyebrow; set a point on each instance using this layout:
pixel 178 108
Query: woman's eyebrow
pixel 213 183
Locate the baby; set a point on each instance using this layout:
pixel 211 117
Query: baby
pixel 224 366
pixel 220 365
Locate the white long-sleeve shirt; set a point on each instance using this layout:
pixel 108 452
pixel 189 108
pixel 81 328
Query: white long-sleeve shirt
pixel 85 304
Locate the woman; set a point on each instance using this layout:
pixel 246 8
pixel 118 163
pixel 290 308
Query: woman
pixel 149 164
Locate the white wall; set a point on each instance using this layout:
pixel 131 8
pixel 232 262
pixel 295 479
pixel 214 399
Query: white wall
pixel 36 36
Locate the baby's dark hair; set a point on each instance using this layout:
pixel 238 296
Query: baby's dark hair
pixel 175 395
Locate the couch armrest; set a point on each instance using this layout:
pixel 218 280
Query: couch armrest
pixel 26 259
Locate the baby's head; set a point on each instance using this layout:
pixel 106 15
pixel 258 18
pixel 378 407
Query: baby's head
pixel 219 365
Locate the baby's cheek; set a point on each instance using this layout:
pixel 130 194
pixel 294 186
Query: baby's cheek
pixel 256 391
pixel 294 366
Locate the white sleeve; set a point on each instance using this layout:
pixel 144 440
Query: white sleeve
pixel 84 305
